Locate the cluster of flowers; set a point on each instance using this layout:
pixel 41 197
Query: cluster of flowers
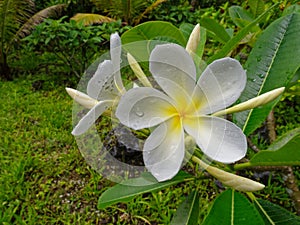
pixel 182 107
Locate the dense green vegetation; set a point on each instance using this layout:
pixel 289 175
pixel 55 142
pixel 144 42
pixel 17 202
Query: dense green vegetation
pixel 43 177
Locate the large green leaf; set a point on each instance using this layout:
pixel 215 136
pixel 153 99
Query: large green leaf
pixel 218 31
pixel 140 40
pixel 234 42
pixel 288 153
pixel 275 215
pixel 271 64
pixel 292 9
pixel 232 208
pixel 128 189
pixel 153 30
pixel 188 212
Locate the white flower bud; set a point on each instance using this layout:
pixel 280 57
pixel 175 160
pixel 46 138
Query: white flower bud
pixel 138 71
pixel 253 102
pixel 231 180
pixel 193 41
pixel 82 98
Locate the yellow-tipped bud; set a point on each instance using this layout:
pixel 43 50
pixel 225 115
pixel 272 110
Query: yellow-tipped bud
pixel 231 180
pixel 138 71
pixel 83 99
pixel 193 41
pixel 253 102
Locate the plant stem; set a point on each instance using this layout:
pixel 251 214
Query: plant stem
pixel 242 166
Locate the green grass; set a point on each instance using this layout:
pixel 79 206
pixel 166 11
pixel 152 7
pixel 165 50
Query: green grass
pixel 45 180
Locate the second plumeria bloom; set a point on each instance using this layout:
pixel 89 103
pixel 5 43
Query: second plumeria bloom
pixel 103 89
pixel 184 105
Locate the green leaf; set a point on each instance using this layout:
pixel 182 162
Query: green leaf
pixel 257 7
pixel 292 9
pixel 274 214
pixel 233 42
pixel 287 155
pixel 284 139
pixel 271 64
pixel 240 16
pixel 128 189
pixel 144 36
pixel 186 29
pixel 216 28
pixel 233 208
pixel 188 212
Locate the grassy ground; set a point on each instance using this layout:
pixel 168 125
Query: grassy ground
pixel 45 180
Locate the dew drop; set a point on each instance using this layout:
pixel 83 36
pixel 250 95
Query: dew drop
pixel 139 113
pixel 254 80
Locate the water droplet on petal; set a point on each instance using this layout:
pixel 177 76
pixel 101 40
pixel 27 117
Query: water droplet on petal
pixel 138 112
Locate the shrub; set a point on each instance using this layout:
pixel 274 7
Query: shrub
pixel 69 45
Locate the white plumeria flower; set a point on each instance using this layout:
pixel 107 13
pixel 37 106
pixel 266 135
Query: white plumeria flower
pixel 185 106
pixel 103 89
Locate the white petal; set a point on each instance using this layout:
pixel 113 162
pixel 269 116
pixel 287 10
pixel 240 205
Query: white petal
pixel 88 120
pixel 115 50
pixel 83 99
pixel 102 85
pixel 115 54
pixel 174 70
pixel 218 138
pixel 164 150
pixel 222 83
pixel 144 107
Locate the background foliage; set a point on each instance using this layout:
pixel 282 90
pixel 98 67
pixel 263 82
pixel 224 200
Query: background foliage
pixel 68 46
pixel 44 179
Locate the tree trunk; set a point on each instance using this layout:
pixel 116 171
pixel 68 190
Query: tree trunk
pixel 4 68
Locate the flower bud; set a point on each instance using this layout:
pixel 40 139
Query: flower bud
pixel 138 71
pixel 82 98
pixel 253 102
pixel 193 41
pixel 231 180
